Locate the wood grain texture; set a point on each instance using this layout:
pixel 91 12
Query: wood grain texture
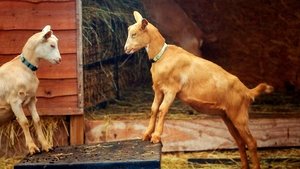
pixel 57 88
pixel 57 111
pixel 63 105
pixel 200 134
pixel 55 102
pixel 79 54
pixel 77 130
pixel 16 15
pixel 12 42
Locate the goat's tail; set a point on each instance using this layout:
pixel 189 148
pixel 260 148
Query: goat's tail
pixel 261 88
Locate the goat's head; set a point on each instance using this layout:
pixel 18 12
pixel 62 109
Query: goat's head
pixel 138 34
pixel 44 45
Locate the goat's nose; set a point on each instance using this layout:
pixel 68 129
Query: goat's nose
pixel 59 60
pixel 126 49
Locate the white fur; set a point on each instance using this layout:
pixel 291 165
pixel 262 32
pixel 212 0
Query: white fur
pixel 18 85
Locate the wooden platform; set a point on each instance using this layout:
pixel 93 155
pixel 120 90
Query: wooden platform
pixel 274 122
pixel 130 154
pixel 197 134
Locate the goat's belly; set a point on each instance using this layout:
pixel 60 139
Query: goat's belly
pixel 203 106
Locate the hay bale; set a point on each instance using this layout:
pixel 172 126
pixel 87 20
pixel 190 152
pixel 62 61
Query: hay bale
pixel 12 140
pixel 106 68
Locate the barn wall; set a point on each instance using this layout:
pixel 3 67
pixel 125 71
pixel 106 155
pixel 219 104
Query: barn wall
pixel 58 91
pixel 256 40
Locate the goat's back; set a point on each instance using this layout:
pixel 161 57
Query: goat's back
pixel 198 79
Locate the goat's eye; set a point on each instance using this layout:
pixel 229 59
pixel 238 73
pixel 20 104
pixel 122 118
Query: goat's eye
pixel 52 46
pixel 133 35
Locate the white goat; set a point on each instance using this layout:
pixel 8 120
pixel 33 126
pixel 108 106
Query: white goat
pixel 19 83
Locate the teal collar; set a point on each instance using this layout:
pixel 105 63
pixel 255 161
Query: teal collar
pixel 28 64
pixel 159 55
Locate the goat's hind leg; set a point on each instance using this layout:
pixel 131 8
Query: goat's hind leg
pixel 154 109
pixel 239 141
pixel 241 125
pixel 37 125
pixel 22 120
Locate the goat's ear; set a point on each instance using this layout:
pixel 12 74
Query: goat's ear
pixel 47 32
pixel 144 23
pixel 137 16
pixel 47 28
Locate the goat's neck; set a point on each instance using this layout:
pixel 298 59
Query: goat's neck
pixel 30 57
pixel 156 44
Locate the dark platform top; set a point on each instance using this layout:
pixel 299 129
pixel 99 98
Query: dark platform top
pixel 129 154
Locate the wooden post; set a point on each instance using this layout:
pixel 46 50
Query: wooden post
pixel 77 121
pixel 76 129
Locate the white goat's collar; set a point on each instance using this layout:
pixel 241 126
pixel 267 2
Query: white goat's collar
pixel 28 64
pixel 161 52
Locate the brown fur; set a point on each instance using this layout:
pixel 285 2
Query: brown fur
pixel 199 83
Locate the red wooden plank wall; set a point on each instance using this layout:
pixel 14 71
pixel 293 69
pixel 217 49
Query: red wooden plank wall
pixel 58 91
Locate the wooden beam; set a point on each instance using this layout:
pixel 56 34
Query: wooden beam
pixel 76 129
pixel 197 134
pixel 79 55
pixel 62 105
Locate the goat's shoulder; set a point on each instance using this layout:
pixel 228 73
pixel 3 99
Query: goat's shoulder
pixel 15 72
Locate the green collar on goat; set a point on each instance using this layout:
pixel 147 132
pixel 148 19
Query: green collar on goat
pixel 161 52
pixel 28 64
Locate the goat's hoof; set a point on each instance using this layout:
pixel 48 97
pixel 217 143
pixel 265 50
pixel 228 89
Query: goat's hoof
pixel 155 138
pixel 33 149
pixel 146 137
pixel 47 147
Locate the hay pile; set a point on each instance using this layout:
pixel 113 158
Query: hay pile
pixel 107 70
pixel 12 140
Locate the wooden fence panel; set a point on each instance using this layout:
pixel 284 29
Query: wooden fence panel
pixel 59 14
pixel 57 88
pixel 12 42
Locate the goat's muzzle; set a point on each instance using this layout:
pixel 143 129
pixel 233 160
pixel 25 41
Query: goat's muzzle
pixel 57 61
pixel 128 50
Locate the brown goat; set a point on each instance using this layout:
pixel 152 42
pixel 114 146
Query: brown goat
pixel 199 83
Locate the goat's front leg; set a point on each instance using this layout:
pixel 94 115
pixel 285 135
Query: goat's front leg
pixel 163 109
pixel 22 120
pixel 37 125
pixel 158 95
